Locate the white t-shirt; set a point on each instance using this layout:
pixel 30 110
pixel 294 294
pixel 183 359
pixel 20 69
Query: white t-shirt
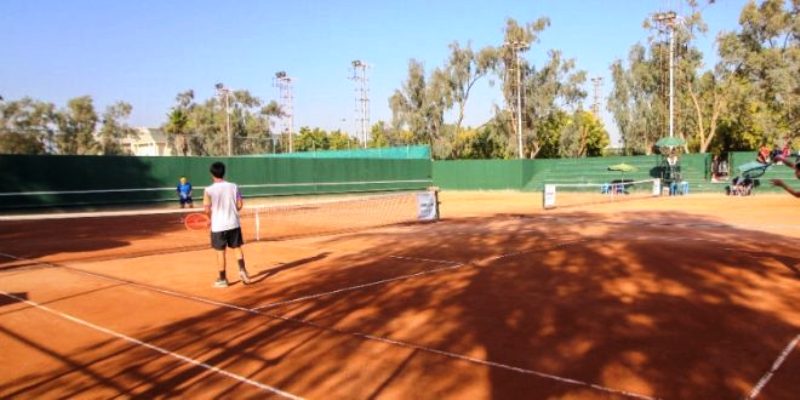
pixel 224 215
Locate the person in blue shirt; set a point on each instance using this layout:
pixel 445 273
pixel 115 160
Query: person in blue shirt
pixel 185 192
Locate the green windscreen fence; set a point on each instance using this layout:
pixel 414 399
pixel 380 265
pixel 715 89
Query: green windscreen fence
pixel 776 171
pixel 532 175
pixel 40 181
pixel 479 174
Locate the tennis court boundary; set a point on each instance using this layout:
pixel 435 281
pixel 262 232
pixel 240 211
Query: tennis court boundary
pixel 130 339
pixel 775 366
pixel 361 335
pixel 455 265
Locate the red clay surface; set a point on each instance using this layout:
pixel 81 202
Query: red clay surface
pixel 674 298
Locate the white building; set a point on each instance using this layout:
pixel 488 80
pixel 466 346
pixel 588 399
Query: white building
pixel 151 142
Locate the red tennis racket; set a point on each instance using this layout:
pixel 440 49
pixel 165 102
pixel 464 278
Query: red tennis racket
pixel 197 222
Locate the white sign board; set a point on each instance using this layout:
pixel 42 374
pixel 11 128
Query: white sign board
pixel 549 196
pixel 426 207
pixel 657 187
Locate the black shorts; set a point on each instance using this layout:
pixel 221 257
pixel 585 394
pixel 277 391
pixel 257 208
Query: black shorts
pixel 186 200
pixel 231 238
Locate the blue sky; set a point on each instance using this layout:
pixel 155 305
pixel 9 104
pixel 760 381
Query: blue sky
pixel 146 51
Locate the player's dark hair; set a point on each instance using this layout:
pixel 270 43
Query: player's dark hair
pixel 217 170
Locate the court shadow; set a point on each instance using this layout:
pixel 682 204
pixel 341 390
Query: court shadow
pixel 96 238
pixel 286 266
pixel 6 300
pixel 567 305
pixel 628 305
pixel 791 263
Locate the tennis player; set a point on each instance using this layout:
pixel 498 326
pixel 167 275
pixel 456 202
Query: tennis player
pixel 222 202
pixel 781 183
pixel 782 156
pixel 184 190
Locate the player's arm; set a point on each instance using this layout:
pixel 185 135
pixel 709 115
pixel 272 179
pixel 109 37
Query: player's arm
pixel 239 200
pixel 782 184
pixel 787 162
pixel 206 203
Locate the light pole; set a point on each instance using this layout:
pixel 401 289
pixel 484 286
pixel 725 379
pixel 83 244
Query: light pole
pixel 224 92
pixel 517 46
pixel 671 79
pixel 668 18
pixel 362 99
pixel 284 84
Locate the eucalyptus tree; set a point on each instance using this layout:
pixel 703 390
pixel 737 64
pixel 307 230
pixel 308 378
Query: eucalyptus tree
pixel 76 127
pixel 464 68
pixel 420 104
pixel 552 92
pixel 27 126
pixel 511 67
pixel 763 58
pixel 115 128
pixel 584 136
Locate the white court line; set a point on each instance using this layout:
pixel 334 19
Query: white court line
pixel 429 260
pixel 519 253
pixel 454 265
pixel 365 285
pixel 764 379
pixel 161 350
pixel 366 336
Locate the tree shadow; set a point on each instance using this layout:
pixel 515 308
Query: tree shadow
pixel 663 309
pixel 791 263
pixel 287 266
pixel 6 300
pixel 582 311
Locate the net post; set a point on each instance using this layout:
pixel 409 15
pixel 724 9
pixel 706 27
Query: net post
pixel 436 202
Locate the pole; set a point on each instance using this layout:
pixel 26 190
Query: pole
pixel 671 79
pixel 668 19
pixel 519 105
pixel 228 122
pixel 291 127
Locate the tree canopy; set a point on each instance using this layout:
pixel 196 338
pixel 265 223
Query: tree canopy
pixel 750 97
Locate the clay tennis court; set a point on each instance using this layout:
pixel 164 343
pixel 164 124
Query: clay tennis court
pixel 691 297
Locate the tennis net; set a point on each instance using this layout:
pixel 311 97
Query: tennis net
pixel 125 234
pixel 580 194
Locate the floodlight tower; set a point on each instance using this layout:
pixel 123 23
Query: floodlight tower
pixel 283 82
pixel 362 99
pixel 225 94
pixel 516 47
pixel 668 19
pixel 597 82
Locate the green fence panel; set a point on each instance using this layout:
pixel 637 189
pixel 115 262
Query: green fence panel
pixel 778 171
pixel 478 174
pixel 532 175
pixel 95 180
